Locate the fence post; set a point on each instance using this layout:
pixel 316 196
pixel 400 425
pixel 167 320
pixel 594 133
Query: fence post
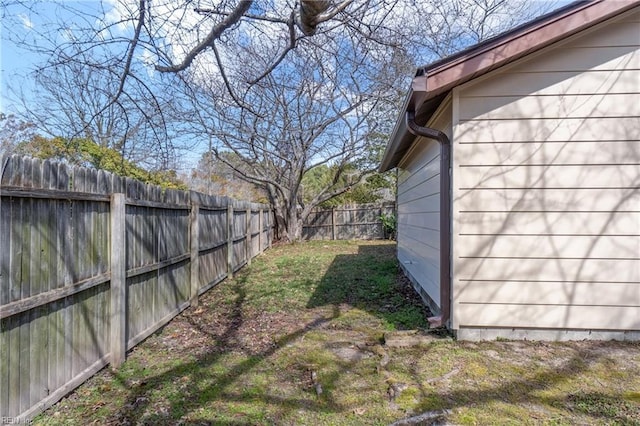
pixel 118 280
pixel 334 234
pixel 260 229
pixel 249 247
pixel 271 228
pixel 230 240
pixel 195 251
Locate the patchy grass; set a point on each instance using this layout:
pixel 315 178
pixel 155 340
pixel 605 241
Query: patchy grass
pixel 297 339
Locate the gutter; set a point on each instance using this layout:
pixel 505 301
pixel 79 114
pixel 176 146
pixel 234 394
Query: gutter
pixel 433 82
pixel 445 214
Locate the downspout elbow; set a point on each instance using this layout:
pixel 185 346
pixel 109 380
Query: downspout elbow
pixel 427 132
pixel 445 215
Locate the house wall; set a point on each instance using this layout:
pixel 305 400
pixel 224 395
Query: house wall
pixel 419 211
pixel 546 199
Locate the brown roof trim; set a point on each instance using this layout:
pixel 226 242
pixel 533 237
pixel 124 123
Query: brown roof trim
pixel 441 76
pixel 517 43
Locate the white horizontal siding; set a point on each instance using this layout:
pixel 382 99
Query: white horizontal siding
pixel 569 106
pixel 590 317
pixel 553 293
pixel 427 187
pixel 546 200
pixel 419 210
pixel 549 176
pixel 549 246
pixel 422 169
pixel 421 252
pixel 569 83
pixel 483 271
pixel 425 220
pixel 547 188
pixel 418 203
pixel 425 273
pixel 557 129
pixel 550 223
pixel 563 152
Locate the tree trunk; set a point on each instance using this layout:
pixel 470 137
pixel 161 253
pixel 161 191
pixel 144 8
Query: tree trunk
pixel 288 223
pixel 294 225
pixel 294 230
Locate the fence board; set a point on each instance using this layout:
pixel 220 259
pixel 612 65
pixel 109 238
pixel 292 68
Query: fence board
pixel 4 363
pixel 194 256
pixel 24 285
pixel 56 277
pixel 23 360
pixel 213 265
pixel 35 348
pixel 67 342
pixel 347 222
pixel 14 363
pixel 6 211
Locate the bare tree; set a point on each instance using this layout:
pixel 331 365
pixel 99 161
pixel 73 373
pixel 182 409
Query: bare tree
pixel 212 176
pixel 284 86
pixel 74 102
pixel 13 131
pixel 297 121
pixel 171 36
pixel 456 24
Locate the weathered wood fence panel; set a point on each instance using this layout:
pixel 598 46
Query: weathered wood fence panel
pixel 75 294
pixel 357 222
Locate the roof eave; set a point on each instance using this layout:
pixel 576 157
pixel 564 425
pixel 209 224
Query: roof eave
pixel 515 44
pixel 434 81
pixel 401 139
pixel 388 159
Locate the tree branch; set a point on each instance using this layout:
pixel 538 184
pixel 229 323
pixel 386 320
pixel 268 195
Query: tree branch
pixel 213 35
pixel 332 13
pixel 311 13
pixel 227 84
pixel 276 20
pixel 292 44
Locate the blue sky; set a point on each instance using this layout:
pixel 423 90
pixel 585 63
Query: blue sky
pixel 20 23
pixel 15 64
pixel 38 23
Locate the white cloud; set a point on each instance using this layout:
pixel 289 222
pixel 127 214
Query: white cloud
pixel 177 28
pixel 26 21
pixel 120 14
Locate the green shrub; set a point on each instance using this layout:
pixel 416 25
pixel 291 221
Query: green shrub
pixel 390 225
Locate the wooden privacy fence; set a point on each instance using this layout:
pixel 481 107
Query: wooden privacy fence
pixel 356 222
pixel 92 263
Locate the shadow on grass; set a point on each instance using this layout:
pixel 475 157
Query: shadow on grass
pixel 199 389
pixel 369 281
pixel 365 281
pixel 534 390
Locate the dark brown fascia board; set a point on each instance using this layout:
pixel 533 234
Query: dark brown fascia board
pixel 436 80
pixel 492 41
pixel 513 45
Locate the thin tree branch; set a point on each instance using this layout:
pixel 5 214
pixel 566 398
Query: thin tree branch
pixel 292 44
pixel 332 13
pixel 276 20
pixel 209 41
pixel 227 84
pixel 127 67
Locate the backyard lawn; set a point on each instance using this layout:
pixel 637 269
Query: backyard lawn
pixel 299 338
